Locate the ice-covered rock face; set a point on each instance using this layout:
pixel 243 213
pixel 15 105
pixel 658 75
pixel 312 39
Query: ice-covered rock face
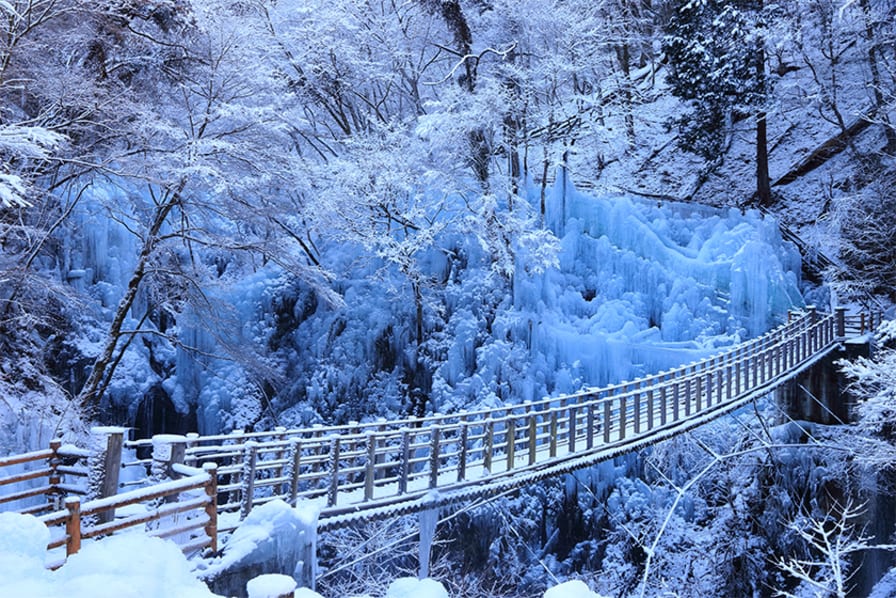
pixel 644 286
pixel 637 287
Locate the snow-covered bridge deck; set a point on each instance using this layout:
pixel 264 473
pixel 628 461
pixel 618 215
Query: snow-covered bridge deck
pixel 387 468
pixel 370 470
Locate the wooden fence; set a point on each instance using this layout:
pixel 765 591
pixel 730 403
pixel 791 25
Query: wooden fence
pixel 180 503
pixel 184 510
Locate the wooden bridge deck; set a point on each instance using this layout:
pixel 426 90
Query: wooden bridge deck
pixel 386 468
pixel 368 470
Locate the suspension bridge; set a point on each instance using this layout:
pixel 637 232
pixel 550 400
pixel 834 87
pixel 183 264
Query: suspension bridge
pixel 197 487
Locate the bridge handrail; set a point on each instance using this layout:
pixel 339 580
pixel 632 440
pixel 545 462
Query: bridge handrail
pixel 800 321
pixel 367 460
pixel 364 468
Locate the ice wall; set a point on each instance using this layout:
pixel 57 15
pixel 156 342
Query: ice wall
pixel 638 287
pixel 644 286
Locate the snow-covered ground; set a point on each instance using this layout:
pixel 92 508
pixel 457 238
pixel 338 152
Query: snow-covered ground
pixel 137 566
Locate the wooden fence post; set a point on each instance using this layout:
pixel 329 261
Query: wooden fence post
pixel 211 509
pixel 840 319
pixel 510 437
pixel 404 458
pixel 247 493
pixel 589 424
pixel 334 471
pixel 167 449
pixel 552 433
pixel 664 405
pixel 73 525
pixel 295 471
pixel 488 445
pixel 676 400
pixel 608 408
pixel 55 479
pixel 105 466
pixel 636 397
pixel 435 435
pixel 533 437
pixel 370 465
pixel 622 417
pixel 462 452
pixel 650 408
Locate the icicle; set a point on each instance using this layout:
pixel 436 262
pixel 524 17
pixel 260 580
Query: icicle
pixel 427 518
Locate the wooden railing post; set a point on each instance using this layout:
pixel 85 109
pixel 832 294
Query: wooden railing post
pixel 488 445
pixel 589 424
pixel 573 417
pixel 728 381
pixel 664 404
pixel 552 432
pixel 370 465
pixel 650 407
pixel 247 492
pixel 233 440
pixel 404 458
pixel 636 398
pixel 105 466
pixel 676 400
pixel 435 434
pixel 73 525
pixel 462 451
pixel 294 469
pixel 622 417
pixel 55 479
pixel 167 449
pixel 709 388
pixel 280 435
pixel 533 436
pixel 510 437
pixel 608 412
pixel 333 490
pixel 211 508
pixel 698 394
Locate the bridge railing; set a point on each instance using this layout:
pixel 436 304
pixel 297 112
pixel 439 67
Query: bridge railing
pixel 382 462
pixel 798 321
pixel 376 464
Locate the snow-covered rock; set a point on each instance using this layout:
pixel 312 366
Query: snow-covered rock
pixel 122 566
pixel 411 587
pixel 273 585
pixel 272 539
pixel 571 589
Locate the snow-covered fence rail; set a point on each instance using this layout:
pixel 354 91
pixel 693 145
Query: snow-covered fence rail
pixel 364 468
pixel 35 482
pixel 184 510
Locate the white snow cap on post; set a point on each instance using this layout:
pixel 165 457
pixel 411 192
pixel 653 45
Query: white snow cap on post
pixel 411 587
pixel 572 589
pixel 271 586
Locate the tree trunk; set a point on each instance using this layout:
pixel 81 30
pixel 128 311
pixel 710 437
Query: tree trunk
pixel 623 55
pixel 874 66
pixel 763 185
pixel 104 366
